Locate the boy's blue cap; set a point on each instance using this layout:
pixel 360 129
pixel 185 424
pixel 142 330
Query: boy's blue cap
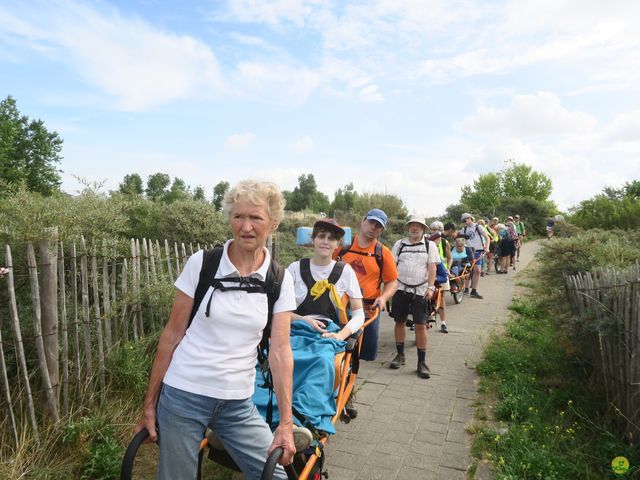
pixel 377 215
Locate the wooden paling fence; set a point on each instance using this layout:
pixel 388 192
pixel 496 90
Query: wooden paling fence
pixel 608 308
pixel 68 307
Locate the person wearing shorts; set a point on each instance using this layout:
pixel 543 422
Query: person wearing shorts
pixel 416 259
pixel 479 241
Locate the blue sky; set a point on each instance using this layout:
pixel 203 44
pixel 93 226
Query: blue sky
pixel 414 97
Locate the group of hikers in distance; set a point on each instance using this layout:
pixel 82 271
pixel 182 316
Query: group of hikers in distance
pixel 235 298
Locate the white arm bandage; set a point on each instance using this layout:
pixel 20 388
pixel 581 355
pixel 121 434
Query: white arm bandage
pixel 357 320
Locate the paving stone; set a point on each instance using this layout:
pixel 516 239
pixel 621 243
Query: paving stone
pixel 459 460
pixel 346 460
pixel 456 435
pixel 371 472
pixel 338 473
pixel 385 460
pixel 412 473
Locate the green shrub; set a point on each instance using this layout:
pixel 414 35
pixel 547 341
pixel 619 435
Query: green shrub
pixel 101 451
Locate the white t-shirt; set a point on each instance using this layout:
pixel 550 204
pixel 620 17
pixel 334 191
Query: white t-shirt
pixel 474 232
pixel 347 283
pixel 412 264
pixel 217 356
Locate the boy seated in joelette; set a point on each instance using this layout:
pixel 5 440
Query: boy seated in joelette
pixel 317 329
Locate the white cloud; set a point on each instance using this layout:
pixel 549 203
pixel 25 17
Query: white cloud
pixel 529 115
pixel 278 83
pixel 625 128
pixel 302 145
pixel 239 141
pixel 137 64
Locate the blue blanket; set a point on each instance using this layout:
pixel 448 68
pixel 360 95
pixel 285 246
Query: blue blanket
pixel 313 377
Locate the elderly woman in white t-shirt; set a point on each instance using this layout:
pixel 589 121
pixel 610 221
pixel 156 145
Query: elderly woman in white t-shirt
pixel 204 372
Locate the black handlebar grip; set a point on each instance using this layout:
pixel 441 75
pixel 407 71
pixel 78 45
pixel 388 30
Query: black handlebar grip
pixel 130 454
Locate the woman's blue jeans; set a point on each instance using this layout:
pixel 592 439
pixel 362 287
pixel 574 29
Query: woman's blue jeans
pixel 182 420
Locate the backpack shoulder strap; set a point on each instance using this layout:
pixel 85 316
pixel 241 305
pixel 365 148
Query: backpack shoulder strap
pixel 377 252
pixel 210 263
pixel 272 286
pixel 305 273
pixel 426 243
pixel 336 272
pixel 344 250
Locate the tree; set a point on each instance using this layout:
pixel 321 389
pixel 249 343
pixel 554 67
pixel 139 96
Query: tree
pixel 219 191
pixel 392 205
pixel 28 151
pixel 614 208
pixel 344 199
pixel 198 194
pixel 521 181
pixel 131 185
pixel 178 191
pixel 485 194
pixel 157 185
pixel 306 196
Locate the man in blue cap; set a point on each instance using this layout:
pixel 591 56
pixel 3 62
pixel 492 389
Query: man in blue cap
pixel 374 265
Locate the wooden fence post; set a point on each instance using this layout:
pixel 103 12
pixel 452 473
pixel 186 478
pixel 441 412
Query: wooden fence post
pixel 65 336
pixel 37 326
pixel 106 298
pixel 147 290
pixel 17 337
pixel 7 391
pixel 137 319
pixel 99 335
pixel 175 250
pixel 141 328
pixel 48 250
pixel 76 325
pixel 168 258
pixel 86 326
pixel 160 264
pixel 123 287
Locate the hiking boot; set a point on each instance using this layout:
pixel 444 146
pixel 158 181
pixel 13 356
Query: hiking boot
pixel 302 438
pixel 397 362
pixel 423 370
pixel 466 291
pixel 443 328
pixel 475 294
pixel 411 325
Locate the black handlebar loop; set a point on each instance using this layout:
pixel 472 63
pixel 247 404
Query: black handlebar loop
pixel 130 454
pixel 272 462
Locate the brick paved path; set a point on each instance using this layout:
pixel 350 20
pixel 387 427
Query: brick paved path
pixel 411 428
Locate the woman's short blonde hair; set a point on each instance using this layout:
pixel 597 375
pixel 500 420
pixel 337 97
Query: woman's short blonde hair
pixel 258 193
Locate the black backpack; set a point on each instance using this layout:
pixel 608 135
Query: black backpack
pixel 270 286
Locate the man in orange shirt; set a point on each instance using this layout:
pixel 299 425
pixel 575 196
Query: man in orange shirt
pixel 374 265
